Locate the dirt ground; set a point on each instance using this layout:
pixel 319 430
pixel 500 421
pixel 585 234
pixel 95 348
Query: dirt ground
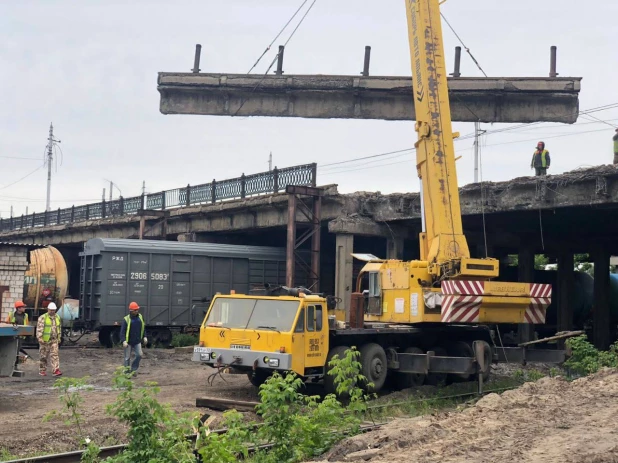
pixel 548 421
pixel 24 402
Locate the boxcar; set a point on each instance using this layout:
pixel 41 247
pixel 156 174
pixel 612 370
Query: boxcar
pixel 171 281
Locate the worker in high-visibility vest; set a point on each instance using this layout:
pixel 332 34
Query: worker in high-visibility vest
pixel 615 138
pixel 540 159
pixel 19 317
pixel 132 333
pixel 48 332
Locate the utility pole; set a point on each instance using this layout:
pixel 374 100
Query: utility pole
pixel 103 194
pixel 111 187
pixel 144 187
pixel 270 162
pixel 50 157
pixel 11 212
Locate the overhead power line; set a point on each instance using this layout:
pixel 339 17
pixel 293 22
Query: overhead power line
pixel 23 178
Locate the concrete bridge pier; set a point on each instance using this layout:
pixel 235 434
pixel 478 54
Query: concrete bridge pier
pixel 564 291
pixel 344 277
pixel 525 273
pixel 601 330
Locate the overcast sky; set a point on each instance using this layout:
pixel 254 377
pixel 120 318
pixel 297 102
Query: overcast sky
pixel 90 67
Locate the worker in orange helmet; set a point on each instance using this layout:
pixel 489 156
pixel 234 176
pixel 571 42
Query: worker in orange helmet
pixel 19 317
pixel 540 159
pixel 132 334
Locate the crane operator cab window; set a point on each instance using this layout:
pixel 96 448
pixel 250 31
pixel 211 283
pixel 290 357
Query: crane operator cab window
pixel 374 303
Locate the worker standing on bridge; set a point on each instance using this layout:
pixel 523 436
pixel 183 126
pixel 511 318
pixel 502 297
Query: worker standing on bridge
pixel 19 317
pixel 48 331
pixel 132 334
pixel 540 160
pixel 615 138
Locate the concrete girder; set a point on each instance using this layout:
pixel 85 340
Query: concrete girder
pixel 503 99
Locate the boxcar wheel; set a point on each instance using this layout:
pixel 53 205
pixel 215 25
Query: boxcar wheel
pixel 374 365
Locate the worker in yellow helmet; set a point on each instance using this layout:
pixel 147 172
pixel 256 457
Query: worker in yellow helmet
pixel 48 332
pixel 540 160
pixel 132 334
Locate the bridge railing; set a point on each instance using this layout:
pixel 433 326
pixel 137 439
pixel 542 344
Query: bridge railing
pixel 241 187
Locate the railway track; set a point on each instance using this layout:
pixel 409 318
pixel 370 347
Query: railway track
pixel 75 456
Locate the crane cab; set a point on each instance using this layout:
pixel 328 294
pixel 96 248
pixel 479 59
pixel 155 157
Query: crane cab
pixel 258 334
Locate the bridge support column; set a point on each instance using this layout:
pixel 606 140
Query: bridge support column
pixel 525 274
pixel 344 247
pixel 601 313
pixel 394 248
pixel 565 286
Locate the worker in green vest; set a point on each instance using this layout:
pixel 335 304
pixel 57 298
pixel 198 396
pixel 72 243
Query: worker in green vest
pixel 132 334
pixel 540 159
pixel 19 317
pixel 48 333
pixel 615 138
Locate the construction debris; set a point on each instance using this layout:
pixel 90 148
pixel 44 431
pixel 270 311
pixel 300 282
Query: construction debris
pixel 551 420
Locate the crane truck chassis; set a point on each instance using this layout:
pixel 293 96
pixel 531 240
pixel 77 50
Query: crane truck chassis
pixel 289 329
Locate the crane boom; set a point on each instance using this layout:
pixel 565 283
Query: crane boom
pixel 443 244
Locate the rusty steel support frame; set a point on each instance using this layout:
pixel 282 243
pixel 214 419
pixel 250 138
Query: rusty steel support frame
pixel 313 214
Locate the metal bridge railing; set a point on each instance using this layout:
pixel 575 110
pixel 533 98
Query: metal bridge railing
pixel 241 187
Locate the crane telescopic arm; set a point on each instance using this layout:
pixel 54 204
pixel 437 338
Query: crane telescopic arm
pixel 443 244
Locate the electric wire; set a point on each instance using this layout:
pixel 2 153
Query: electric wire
pixel 23 178
pixel 275 59
pixel 330 167
pixel 277 36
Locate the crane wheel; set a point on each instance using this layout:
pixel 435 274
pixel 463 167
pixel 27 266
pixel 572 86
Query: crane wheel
pixel 329 381
pixel 408 380
pixel 437 379
pixel 373 365
pixel 460 349
pixel 258 377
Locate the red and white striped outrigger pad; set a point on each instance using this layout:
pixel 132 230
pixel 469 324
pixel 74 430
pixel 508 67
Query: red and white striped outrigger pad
pixel 462 300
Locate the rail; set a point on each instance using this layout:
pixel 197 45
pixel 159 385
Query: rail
pixel 241 187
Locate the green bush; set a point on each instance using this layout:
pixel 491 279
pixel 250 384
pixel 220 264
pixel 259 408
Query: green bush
pixel 182 340
pixel 586 359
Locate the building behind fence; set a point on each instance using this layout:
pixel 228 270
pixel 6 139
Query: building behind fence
pixel 241 187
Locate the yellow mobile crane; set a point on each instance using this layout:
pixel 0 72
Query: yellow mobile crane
pixel 416 321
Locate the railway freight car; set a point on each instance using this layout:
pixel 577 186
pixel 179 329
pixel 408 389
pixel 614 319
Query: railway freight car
pixel 171 281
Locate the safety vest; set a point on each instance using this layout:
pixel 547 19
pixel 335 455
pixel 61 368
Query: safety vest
pixel 543 158
pixel 47 327
pixel 128 320
pixel 12 318
pixel 616 145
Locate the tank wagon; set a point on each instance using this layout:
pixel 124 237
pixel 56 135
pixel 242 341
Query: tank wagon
pixel 173 282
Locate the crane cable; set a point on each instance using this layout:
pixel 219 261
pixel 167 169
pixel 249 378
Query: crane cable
pixel 277 36
pixel 463 45
pixel 275 60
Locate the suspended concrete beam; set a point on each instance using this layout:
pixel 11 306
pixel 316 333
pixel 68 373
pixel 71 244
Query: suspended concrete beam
pixel 503 99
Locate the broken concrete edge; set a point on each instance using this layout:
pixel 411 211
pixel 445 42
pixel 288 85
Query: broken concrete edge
pixel 379 83
pixel 366 213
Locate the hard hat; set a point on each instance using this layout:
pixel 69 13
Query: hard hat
pixel 133 306
pixel 52 306
pixel 19 304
